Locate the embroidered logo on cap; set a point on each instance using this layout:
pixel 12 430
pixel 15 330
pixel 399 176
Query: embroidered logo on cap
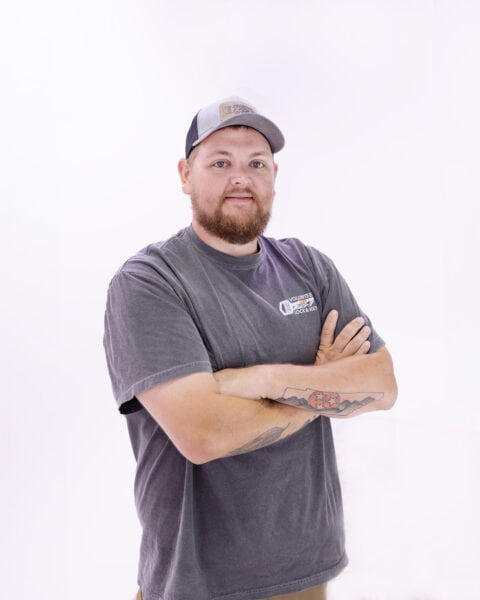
pixel 230 109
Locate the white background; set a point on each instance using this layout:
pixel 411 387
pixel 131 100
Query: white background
pixel 379 103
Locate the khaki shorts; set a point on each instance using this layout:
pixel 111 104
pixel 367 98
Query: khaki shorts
pixel 316 593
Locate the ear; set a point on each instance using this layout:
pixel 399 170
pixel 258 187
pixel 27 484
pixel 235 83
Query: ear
pixel 184 172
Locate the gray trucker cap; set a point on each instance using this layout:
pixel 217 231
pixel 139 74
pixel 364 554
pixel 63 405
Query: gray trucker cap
pixel 228 112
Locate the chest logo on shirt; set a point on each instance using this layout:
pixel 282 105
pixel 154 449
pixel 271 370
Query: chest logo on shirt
pixel 297 305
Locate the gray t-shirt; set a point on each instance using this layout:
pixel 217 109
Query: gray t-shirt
pixel 247 527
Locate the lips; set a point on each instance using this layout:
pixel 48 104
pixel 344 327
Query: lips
pixel 239 196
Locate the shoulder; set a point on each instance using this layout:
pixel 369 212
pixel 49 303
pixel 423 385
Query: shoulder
pixel 154 273
pixel 154 261
pixel 295 250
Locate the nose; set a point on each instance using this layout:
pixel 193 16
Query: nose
pixel 239 177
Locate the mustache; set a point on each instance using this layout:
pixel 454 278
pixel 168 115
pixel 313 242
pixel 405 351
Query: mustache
pixel 246 191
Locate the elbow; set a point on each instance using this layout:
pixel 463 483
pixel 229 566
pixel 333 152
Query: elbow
pixel 199 457
pixel 390 394
pixel 199 440
pixel 193 454
pixel 387 374
pixel 391 399
pixel 198 449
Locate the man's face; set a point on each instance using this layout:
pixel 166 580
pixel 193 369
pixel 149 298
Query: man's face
pixel 230 178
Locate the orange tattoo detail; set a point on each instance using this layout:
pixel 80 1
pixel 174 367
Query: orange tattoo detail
pixel 324 400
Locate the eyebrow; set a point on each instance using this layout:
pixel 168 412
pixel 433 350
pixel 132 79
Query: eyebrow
pixel 227 153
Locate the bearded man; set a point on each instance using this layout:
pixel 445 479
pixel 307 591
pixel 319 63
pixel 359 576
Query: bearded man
pixel 229 353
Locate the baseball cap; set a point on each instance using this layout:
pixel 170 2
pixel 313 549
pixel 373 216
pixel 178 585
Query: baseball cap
pixel 228 112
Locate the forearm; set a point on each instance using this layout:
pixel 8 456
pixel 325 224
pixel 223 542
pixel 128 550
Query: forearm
pixel 239 428
pixel 347 387
pixel 342 388
pixel 205 424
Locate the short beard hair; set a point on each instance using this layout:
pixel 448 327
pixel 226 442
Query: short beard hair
pixel 231 230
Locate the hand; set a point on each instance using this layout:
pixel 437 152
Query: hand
pixel 352 340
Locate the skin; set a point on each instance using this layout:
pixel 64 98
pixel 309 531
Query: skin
pixel 230 178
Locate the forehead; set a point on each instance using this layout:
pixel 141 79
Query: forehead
pixel 231 139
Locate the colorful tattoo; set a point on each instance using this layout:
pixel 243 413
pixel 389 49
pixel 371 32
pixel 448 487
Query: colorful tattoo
pixel 329 404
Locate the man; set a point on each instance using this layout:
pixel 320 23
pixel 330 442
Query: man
pixel 229 352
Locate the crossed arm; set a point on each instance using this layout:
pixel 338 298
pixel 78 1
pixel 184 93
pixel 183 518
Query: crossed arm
pixel 209 416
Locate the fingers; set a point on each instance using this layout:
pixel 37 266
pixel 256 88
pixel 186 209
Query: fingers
pixel 364 348
pixel 352 339
pixel 359 344
pixel 328 329
pixel 349 332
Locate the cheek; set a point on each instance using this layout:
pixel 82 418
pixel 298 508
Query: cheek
pixel 267 185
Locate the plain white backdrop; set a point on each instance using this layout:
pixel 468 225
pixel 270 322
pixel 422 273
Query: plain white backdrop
pixel 379 103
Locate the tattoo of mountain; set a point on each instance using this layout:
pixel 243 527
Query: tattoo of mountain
pixel 329 403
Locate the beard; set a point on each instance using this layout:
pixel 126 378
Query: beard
pixel 235 229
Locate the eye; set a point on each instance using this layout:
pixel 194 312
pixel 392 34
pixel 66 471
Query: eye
pixel 220 164
pixel 257 164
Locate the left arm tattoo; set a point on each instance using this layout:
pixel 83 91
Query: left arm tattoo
pixel 268 437
pixel 328 404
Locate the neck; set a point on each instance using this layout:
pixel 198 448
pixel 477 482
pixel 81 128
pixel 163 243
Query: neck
pixel 223 246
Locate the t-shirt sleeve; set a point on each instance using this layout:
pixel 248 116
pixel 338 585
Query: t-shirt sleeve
pixel 336 294
pixel 150 336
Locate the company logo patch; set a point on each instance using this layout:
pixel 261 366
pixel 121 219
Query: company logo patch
pixel 298 305
pixel 230 109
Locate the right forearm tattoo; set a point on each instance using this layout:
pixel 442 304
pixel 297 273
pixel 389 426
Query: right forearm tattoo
pixel 327 403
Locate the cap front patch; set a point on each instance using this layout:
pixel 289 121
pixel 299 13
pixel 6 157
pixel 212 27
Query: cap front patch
pixel 227 110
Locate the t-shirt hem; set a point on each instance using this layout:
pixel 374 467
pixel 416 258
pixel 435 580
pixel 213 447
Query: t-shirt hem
pixel 287 588
pixel 263 593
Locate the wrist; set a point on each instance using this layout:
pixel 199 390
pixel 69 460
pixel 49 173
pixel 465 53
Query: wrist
pixel 267 379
